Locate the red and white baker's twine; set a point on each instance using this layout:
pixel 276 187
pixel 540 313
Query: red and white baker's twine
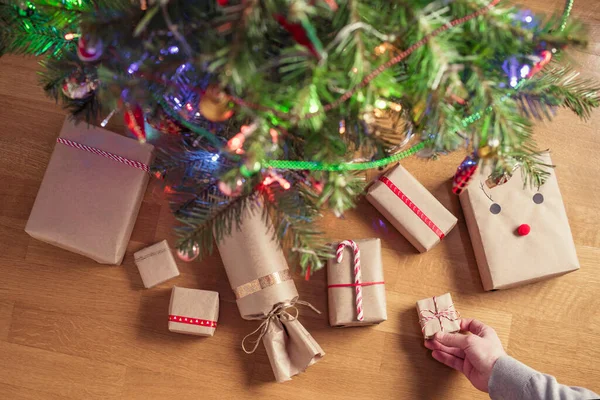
pixel 448 313
pixel 357 273
pixel 114 157
pixel 193 321
pixel 413 207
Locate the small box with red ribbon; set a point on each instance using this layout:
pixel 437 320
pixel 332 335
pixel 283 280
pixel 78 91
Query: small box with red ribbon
pixel 411 208
pixel 193 311
pixel 437 314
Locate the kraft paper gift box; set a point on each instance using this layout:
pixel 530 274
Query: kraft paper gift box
pixel 88 203
pixel 264 289
pixel 411 208
pixel 156 264
pixel 193 311
pixel 437 314
pixel 342 297
pixel 496 217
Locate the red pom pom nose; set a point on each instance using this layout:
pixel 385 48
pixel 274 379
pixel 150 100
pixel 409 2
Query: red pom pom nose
pixel 523 230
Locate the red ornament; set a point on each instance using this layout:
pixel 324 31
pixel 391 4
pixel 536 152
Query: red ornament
pixel 134 120
pixel 546 56
pixel 298 33
pixel 523 230
pixel 89 50
pixel 223 3
pixel 464 174
pixel 190 254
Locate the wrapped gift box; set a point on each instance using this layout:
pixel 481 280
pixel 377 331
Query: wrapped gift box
pixel 437 314
pixel 342 294
pixel 519 234
pixel 264 289
pixel 411 208
pixel 193 311
pixel 91 193
pixel 156 264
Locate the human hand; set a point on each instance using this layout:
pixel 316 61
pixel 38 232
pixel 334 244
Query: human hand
pixel 473 355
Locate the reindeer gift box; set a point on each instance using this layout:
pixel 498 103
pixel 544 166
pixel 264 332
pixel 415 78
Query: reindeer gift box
pixel 519 234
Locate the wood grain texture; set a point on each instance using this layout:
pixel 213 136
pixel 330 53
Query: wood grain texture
pixel 73 329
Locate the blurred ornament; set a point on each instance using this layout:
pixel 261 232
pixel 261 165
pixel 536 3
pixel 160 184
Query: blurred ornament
pixel 487 151
pixel 464 174
pixel 190 254
pixel 162 122
pixel 545 57
pixel 511 67
pixel 214 104
pixel 301 33
pixel 89 49
pixel 230 191
pixel 223 3
pixel 134 120
pixel 74 89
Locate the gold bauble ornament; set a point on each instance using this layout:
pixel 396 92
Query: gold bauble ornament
pixel 214 105
pixel 486 151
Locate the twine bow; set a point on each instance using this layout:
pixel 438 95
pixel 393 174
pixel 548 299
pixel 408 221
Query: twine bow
pixel 448 313
pixel 278 312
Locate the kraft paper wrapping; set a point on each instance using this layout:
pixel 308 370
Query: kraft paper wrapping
pixel 250 253
pixel 342 304
pixel 194 304
pixel 87 203
pixel 433 325
pixel 290 348
pixel 156 264
pixel 405 220
pixel 504 258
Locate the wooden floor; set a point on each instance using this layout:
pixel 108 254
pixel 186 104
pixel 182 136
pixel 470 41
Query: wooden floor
pixel 73 329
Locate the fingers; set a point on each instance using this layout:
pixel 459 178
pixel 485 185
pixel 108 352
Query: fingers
pixel 452 340
pixel 435 345
pixel 472 325
pixel 449 360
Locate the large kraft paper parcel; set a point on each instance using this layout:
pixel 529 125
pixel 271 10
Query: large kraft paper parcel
pixel 88 203
pixel 493 215
pixel 259 275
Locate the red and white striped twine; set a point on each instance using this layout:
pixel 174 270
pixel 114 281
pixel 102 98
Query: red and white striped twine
pixel 114 157
pixel 357 273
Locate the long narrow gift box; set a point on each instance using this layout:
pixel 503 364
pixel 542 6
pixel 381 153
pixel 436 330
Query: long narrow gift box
pixel 264 289
pixel 91 193
pixel 411 208
pixel 519 234
pixel 344 308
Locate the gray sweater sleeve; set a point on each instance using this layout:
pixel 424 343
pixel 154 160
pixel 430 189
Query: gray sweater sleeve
pixel 513 380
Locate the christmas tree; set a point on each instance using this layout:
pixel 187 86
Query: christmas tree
pixel 285 100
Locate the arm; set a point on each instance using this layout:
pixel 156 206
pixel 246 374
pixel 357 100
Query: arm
pixel 512 379
pixel 482 359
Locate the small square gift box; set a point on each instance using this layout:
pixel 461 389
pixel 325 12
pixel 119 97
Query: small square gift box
pixel 437 314
pixel 356 288
pixel 411 208
pixel 91 192
pixel 520 234
pixel 156 264
pixel 193 311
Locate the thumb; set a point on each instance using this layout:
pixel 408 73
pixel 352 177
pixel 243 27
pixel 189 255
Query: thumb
pixel 453 339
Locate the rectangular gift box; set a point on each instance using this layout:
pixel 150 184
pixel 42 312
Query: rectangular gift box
pixel 156 264
pixel 494 216
pixel 342 299
pixel 437 314
pixel 88 202
pixel 264 289
pixel 411 208
pixel 193 311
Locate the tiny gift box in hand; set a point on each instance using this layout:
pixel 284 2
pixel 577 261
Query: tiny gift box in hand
pixel 193 311
pixel 520 234
pixel 156 264
pixel 356 289
pixel 91 192
pixel 437 314
pixel 410 208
